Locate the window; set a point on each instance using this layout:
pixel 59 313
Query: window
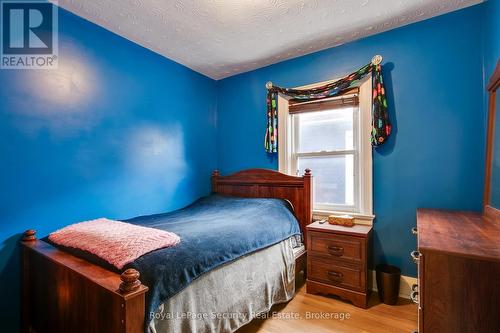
pixel 331 137
pixel 324 141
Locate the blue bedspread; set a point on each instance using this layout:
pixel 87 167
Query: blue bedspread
pixel 214 230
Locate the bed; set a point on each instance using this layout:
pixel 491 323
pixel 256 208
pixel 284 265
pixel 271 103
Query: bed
pixel 62 292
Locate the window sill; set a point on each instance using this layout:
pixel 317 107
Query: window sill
pixel 359 218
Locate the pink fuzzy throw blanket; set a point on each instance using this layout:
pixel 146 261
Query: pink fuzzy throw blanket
pixel 118 243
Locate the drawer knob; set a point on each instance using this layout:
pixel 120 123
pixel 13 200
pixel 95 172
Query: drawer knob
pixel 337 251
pixel 335 276
pixel 414 296
pixel 414 230
pixel 415 255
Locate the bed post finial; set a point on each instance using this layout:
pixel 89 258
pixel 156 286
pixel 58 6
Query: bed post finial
pixel 215 173
pixel 308 172
pixel 130 280
pixel 29 235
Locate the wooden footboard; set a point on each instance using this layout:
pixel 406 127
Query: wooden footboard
pixel 62 293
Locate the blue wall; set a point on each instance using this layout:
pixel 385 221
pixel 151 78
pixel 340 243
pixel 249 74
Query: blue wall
pixel 491 56
pixel 115 132
pixel 492 35
pixel 435 157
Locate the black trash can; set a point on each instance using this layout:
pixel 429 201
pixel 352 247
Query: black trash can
pixel 388 283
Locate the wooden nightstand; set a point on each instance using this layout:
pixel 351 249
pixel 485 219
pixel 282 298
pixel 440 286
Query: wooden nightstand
pixel 337 261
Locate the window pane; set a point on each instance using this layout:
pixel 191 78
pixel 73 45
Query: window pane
pixel 325 130
pixel 333 178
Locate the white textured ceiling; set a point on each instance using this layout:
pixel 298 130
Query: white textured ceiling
pixel 220 38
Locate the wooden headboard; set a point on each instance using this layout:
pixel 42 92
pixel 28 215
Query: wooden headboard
pixel 263 183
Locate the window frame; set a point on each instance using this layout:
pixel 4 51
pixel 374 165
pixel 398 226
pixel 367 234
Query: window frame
pixel 287 159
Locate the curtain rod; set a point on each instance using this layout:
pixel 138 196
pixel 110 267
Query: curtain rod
pixel 376 60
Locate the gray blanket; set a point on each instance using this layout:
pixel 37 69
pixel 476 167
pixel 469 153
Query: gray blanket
pixel 231 295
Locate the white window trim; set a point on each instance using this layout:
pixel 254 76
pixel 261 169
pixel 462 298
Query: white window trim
pixel 365 213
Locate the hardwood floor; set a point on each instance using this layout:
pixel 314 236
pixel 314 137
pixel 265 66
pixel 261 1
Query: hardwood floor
pixel 377 318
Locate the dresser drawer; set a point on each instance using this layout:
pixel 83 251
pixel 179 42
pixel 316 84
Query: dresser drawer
pixel 337 246
pixel 336 273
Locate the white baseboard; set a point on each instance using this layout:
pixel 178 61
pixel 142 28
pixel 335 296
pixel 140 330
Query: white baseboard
pixel 404 285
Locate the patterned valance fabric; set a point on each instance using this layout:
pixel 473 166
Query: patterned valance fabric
pixel 381 125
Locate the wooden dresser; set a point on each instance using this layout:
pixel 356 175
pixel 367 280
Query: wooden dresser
pixel 458 261
pixel 337 261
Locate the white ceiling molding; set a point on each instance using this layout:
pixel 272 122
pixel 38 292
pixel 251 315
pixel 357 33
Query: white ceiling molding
pixel 221 38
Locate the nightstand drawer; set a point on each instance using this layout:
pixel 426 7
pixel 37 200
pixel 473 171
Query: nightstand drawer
pixel 336 274
pixel 337 246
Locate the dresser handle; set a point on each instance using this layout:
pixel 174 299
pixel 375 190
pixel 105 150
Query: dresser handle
pixel 414 230
pixel 415 255
pixel 414 296
pixel 335 276
pixel 336 250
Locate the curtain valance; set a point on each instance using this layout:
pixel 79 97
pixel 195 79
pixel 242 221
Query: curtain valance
pixel 381 125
